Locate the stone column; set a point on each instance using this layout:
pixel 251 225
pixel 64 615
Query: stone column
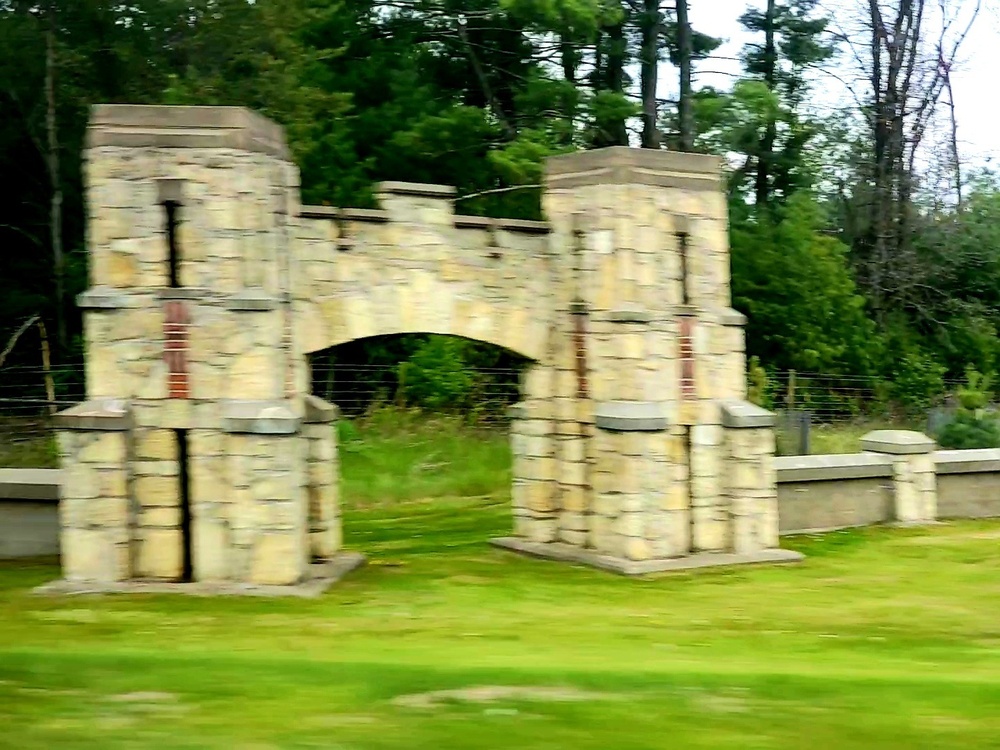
pixel 263 536
pixel 320 428
pixel 95 511
pixel 749 477
pixel 914 481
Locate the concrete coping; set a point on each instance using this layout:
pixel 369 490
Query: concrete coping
pixel 252 300
pixel 415 189
pixel 731 317
pixel 525 226
pixel 162 126
pixel 897 442
pixel 631 416
pixel 622 165
pixel 629 314
pixel 319 411
pixel 99 415
pixel 102 298
pixel 979 460
pixel 259 417
pixel 833 466
pixel 744 415
pixel 30 485
pixel 371 215
pixel 183 292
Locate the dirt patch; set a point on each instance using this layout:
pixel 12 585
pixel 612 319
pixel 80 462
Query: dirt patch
pixel 497 693
pixel 143 697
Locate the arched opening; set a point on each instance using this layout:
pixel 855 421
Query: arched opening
pixel 423 455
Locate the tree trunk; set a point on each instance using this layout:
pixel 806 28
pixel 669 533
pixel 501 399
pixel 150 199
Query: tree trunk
pixel 617 49
pixel 52 162
pixel 762 187
pixel 685 52
pixel 650 62
pixel 955 158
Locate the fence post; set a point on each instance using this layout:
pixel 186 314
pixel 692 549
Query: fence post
pixel 914 481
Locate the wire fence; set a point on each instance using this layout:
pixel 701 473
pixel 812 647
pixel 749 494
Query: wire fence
pixel 29 396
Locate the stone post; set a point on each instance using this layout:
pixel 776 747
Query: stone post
pixel 750 480
pixel 914 481
pixel 96 517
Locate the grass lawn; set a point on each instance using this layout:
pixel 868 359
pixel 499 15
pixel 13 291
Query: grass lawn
pixel 881 639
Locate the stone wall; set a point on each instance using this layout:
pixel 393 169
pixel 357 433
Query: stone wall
pixel 29 512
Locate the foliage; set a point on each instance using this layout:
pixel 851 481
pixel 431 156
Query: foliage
pixel 435 376
pixel 794 284
pixel 972 425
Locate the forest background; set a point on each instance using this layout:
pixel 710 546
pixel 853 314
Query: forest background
pixel 864 244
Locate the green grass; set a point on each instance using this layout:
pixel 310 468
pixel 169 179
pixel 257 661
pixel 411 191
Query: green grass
pixel 845 437
pixel 881 639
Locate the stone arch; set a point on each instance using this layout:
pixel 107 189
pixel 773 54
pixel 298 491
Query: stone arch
pixel 634 445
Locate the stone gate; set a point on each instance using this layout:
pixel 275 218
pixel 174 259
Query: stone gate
pixel 200 454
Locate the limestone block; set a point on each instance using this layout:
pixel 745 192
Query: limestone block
pixel 105 449
pixel 573 498
pixel 161 555
pixel 669 534
pixel 278 559
pixel 93 555
pixel 80 481
pixel 710 529
pixel 157 491
pixel 163 517
pixel 572 473
pixel 210 548
pixel 637 549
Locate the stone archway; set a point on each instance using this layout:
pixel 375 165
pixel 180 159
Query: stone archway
pixel 198 453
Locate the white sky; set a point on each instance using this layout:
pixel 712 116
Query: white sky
pixel 974 77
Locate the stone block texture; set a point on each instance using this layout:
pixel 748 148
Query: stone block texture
pixel 210 285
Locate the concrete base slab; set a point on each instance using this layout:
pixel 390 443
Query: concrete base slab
pixel 321 577
pixel 569 553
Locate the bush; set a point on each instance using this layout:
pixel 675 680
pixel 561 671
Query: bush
pixel 436 376
pixel 973 426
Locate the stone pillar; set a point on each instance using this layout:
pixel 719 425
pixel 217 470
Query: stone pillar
pixel 320 428
pixel 95 513
pixel 914 480
pixel 533 488
pixel 750 479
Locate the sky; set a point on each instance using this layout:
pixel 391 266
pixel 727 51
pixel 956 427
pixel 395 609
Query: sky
pixel 974 78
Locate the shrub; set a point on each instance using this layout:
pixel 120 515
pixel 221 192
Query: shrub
pixel 973 425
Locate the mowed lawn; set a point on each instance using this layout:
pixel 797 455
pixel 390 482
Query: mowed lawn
pixel 883 638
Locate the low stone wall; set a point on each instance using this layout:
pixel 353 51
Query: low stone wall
pixel 968 483
pixel 815 494
pixel 29 512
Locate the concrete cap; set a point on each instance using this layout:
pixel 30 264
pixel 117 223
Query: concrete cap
pixel 629 314
pixel 252 300
pixel 102 298
pixel 743 415
pixel 416 189
pixel 319 411
pixel 832 467
pixel 897 442
pixel 631 416
pixel 259 417
pixel 110 415
pixel 731 317
pixel 525 226
pixel 621 165
pixel 159 126
pixel 30 484
pixel 973 461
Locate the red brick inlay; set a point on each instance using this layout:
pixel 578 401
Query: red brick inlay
pixel 686 339
pixel 580 345
pixel 175 348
